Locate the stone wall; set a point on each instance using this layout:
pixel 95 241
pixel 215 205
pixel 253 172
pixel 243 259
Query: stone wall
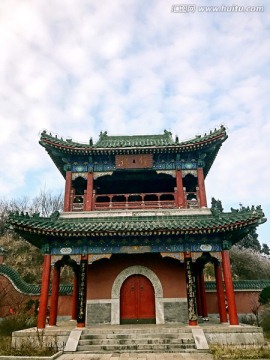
pixel 175 311
pixel 98 312
pixel 169 311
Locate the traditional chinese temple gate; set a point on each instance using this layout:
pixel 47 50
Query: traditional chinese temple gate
pixel 136 230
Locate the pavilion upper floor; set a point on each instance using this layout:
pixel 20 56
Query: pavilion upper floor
pixel 134 172
pixel 134 189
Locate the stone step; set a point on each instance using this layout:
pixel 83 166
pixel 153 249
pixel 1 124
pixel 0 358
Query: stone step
pixel 94 331
pixel 137 347
pixel 136 342
pixel 103 342
pixel 135 336
pixel 136 339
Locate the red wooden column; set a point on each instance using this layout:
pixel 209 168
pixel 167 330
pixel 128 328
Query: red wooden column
pixel 201 185
pixel 191 297
pixel 55 295
pixel 43 299
pixel 82 291
pixel 75 297
pixel 181 202
pixel 229 287
pixel 198 295
pixel 220 294
pixel 203 296
pixel 88 206
pixel 68 187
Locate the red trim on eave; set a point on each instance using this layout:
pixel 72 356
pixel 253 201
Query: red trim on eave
pixel 61 146
pixel 187 146
pixel 204 141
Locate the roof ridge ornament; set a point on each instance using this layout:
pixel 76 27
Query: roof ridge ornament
pixel 55 215
pixel 216 212
pixel 168 133
pixel 103 135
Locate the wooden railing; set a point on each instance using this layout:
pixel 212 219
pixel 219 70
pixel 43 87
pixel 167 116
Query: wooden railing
pixel 77 202
pixel 135 201
pixel 192 200
pixel 166 200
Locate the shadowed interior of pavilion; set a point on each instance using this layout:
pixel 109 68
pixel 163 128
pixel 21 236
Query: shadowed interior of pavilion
pixel 135 190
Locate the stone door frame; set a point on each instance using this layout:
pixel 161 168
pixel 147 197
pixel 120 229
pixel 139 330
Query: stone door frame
pixel 150 275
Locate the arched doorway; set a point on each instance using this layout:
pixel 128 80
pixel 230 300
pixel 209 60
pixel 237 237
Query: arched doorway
pixel 137 301
pixel 117 285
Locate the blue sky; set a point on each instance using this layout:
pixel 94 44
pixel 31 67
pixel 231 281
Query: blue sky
pixel 134 67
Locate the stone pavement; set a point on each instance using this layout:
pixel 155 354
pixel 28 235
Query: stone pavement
pixel 139 356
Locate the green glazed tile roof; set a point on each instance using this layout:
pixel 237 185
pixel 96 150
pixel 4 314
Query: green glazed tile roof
pixel 242 284
pixel 25 288
pixel 101 226
pixel 107 142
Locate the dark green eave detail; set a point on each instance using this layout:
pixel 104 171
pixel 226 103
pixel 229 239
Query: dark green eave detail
pixel 235 225
pixel 208 144
pixel 25 288
pixel 242 284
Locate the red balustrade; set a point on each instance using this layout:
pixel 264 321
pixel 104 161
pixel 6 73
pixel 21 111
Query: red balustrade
pixel 166 200
pixel 135 201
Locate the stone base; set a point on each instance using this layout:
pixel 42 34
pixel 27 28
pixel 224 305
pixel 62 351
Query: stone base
pixel 168 311
pixel 221 334
pixel 98 312
pixel 175 311
pixel 49 337
pixel 234 335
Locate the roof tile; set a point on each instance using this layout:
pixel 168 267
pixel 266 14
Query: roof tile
pixel 92 226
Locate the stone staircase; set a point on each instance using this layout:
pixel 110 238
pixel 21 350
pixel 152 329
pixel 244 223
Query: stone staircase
pixel 136 339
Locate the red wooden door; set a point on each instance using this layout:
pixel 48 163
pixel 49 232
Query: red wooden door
pixel 137 300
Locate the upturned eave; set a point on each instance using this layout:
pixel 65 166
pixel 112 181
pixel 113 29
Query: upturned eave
pixel 234 225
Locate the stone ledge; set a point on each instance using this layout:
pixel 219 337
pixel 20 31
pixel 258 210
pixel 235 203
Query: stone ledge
pixel 234 335
pixel 55 356
pixel 134 212
pixel 49 336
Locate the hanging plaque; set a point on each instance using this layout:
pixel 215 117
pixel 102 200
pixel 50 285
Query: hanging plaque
pixel 134 161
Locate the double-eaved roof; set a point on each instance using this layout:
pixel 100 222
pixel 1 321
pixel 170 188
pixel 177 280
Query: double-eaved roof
pixel 207 145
